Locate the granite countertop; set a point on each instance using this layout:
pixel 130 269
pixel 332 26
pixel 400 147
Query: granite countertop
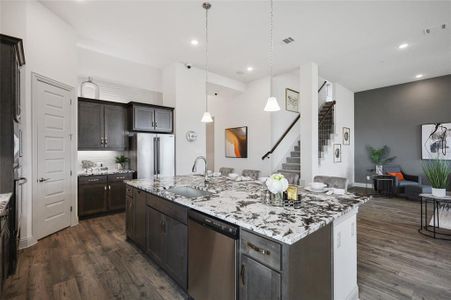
pixel 107 172
pixel 239 203
pixel 4 199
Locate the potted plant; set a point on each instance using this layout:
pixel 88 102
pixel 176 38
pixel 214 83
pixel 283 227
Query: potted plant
pixel 121 160
pixel 379 157
pixel 437 172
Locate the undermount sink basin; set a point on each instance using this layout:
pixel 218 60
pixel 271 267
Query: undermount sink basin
pixel 188 192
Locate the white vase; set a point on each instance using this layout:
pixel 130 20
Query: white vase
pixel 438 192
pixel 119 166
pixel 379 170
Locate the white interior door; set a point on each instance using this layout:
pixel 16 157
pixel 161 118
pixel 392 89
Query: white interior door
pixel 52 198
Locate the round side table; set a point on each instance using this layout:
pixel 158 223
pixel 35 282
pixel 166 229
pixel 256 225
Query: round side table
pixel 434 230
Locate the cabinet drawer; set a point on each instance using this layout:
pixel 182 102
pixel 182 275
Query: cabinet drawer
pixel 129 191
pixel 92 179
pixel 120 177
pixel 172 210
pixel 261 249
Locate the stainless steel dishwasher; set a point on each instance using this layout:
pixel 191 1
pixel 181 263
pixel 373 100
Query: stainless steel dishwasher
pixel 212 259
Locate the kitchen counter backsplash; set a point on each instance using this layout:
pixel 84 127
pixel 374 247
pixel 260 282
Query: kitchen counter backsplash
pixel 240 203
pixel 104 172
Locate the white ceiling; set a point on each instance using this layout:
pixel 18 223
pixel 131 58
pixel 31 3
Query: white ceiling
pixel 354 43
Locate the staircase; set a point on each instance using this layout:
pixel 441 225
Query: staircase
pixel 293 163
pixel 325 125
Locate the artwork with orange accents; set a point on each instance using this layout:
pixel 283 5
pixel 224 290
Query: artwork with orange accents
pixel 236 142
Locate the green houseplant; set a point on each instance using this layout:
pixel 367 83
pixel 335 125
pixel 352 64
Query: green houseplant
pixel 379 156
pixel 121 160
pixel 437 172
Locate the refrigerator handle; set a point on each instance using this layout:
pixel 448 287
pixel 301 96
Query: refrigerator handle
pixel 154 156
pixel 158 156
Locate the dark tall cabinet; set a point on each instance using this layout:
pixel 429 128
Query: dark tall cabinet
pixel 102 125
pixel 11 59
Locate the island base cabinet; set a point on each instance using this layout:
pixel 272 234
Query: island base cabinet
pixel 258 281
pixel 167 244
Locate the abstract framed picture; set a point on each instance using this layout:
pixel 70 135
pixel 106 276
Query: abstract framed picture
pixel 337 153
pixel 436 141
pixel 346 136
pixel 291 100
pixel 236 142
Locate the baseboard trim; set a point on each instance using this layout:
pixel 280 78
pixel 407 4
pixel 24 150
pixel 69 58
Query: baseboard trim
pixel 27 242
pixel 354 294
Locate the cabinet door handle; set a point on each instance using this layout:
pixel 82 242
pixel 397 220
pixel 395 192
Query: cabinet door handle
pixel 109 187
pixel 243 271
pixel 156 124
pixel 106 141
pixel 105 187
pixel 101 141
pixel 258 249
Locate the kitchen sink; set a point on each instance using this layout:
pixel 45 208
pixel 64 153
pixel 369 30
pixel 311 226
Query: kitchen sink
pixel 188 192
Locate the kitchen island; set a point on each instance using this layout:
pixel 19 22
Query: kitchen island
pixel 283 252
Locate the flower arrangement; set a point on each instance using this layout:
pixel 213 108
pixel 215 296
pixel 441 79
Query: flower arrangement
pixel 121 160
pixel 277 183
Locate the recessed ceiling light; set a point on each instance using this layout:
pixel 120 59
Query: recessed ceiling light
pixel 250 69
pixel 194 42
pixel 403 46
pixel 419 76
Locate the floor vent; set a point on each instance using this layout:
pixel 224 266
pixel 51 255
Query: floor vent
pixel 288 40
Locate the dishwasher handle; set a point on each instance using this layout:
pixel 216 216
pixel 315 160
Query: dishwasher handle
pixel 212 223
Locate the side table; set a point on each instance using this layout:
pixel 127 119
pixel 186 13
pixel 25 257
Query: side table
pixel 384 185
pixel 434 230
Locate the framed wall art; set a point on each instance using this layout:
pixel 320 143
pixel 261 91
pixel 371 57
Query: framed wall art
pixel 291 100
pixel 337 153
pixel 436 141
pixel 236 142
pixel 346 136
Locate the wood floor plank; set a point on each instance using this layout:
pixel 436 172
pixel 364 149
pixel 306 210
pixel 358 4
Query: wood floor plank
pixel 93 260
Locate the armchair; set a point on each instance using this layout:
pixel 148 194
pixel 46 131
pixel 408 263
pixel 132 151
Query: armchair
pixel 403 187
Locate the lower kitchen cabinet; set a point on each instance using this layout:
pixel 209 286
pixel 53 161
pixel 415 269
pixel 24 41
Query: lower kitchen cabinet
pixel 92 195
pixel 101 194
pixel 258 281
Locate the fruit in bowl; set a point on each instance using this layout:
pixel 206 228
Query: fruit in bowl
pixel 233 176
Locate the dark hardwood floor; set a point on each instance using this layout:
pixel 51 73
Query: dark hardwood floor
pixel 93 261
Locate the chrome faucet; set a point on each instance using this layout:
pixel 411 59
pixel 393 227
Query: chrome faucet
pixel 195 166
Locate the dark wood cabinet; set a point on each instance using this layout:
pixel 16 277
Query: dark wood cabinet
pixel 150 118
pixel 90 125
pixel 163 120
pixel 140 218
pixel 155 221
pixel 102 194
pixel 92 195
pixel 129 218
pixel 258 281
pixel 176 240
pixel 102 125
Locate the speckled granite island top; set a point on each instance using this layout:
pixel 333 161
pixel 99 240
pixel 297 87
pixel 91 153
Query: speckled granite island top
pixel 239 203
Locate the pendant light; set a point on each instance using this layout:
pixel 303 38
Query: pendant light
pixel 271 103
pixel 206 118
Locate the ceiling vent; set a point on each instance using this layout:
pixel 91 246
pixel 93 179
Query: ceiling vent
pixel 288 40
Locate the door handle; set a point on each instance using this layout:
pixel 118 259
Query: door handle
pixel 21 180
pixel 243 271
pixel 258 249
pixel 42 179
pixel 109 187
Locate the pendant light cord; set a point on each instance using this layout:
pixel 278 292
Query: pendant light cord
pixel 206 54
pixel 271 47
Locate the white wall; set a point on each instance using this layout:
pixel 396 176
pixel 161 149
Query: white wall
pixel 49 51
pixel 113 69
pixel 282 119
pixel 344 117
pixel 185 90
pixel 245 109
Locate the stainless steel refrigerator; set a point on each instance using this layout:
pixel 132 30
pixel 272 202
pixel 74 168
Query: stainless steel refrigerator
pixel 152 155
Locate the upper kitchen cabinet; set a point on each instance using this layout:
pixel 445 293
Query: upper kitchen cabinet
pixel 150 118
pixel 101 125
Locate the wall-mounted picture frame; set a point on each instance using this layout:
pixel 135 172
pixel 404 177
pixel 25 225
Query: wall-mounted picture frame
pixel 337 153
pixel 236 142
pixel 291 100
pixel 436 141
pixel 346 136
